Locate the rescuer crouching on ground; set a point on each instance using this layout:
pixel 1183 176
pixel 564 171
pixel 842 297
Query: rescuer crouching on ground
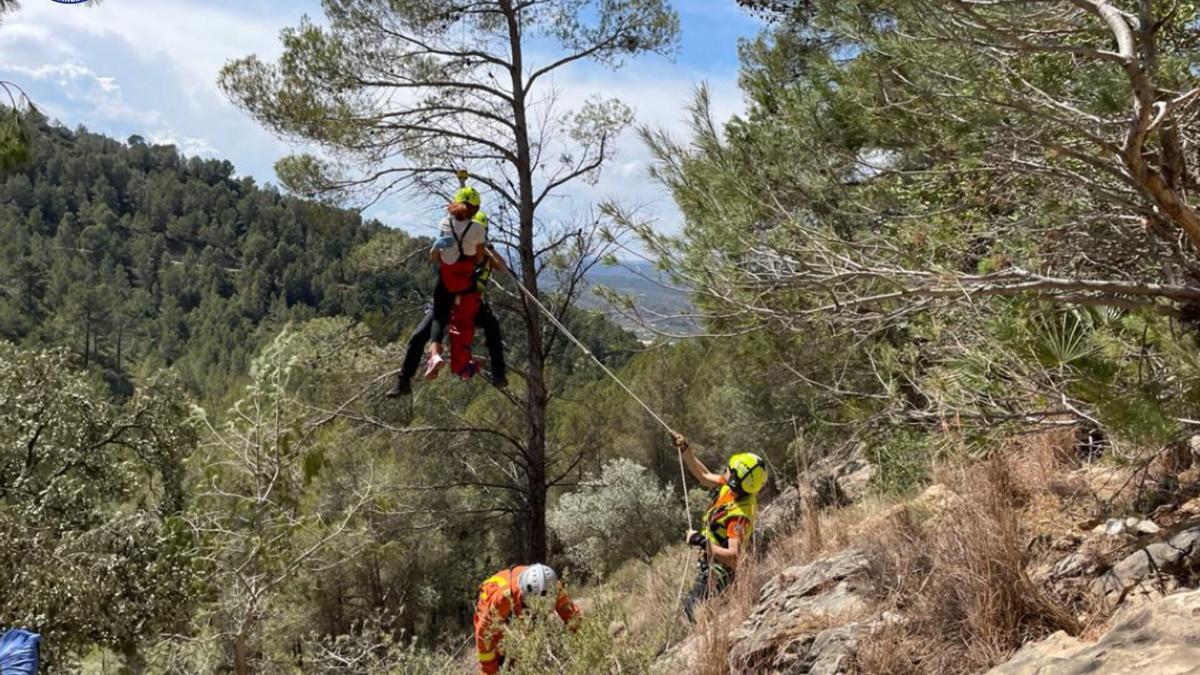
pixel 505 595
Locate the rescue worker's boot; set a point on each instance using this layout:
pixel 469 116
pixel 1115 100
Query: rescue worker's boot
pixel 470 370
pixel 402 387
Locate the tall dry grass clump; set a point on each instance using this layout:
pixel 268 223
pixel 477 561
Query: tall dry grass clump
pixel 959 581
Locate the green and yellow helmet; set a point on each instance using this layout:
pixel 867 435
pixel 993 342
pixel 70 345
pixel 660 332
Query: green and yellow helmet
pixel 747 473
pixel 481 219
pixel 468 195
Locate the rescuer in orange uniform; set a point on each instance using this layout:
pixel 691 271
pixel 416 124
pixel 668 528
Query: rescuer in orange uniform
pixel 502 597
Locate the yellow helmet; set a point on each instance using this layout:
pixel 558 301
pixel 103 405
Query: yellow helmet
pixel 468 195
pixel 747 473
pixel 482 219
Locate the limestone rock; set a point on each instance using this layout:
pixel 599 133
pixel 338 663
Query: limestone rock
pixel 1115 526
pixel 935 499
pixel 780 516
pixel 794 627
pixel 1190 508
pixel 1040 657
pixel 832 651
pixel 1162 638
pixel 854 480
pixel 1158 560
pixel 842 484
pixel 1146 526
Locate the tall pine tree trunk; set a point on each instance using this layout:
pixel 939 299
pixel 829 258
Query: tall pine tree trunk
pixel 534 527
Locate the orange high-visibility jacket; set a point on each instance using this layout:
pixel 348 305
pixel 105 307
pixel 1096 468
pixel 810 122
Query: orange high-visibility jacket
pixel 499 600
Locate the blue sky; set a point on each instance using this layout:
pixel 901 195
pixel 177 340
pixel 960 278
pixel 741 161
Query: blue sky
pixel 149 68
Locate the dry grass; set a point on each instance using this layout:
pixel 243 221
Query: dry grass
pixel 961 581
pixel 817 533
pixel 955 563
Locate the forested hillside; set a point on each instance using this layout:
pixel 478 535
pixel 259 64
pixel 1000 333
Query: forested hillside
pixel 946 272
pixel 138 283
pixel 138 258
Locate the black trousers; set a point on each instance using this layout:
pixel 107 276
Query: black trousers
pixel 433 327
pixel 712 579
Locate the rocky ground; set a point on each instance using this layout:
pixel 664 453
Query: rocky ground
pixel 1047 561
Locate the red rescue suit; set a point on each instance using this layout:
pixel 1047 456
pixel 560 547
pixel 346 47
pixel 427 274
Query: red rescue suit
pixel 460 279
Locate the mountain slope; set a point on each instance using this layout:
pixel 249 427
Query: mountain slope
pixel 138 257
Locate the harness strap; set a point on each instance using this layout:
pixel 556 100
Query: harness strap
pixel 462 254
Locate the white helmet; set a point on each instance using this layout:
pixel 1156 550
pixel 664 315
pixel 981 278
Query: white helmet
pixel 537 580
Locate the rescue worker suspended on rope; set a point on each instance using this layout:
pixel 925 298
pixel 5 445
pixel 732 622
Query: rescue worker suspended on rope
pixel 728 522
pixel 464 261
pixel 507 594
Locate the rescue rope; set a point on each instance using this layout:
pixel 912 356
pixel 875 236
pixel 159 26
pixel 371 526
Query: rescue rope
pixel 462 176
pixel 657 418
pixel 687 506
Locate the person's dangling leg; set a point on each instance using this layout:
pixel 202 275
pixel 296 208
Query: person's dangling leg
pixel 412 356
pixel 698 593
pixel 443 306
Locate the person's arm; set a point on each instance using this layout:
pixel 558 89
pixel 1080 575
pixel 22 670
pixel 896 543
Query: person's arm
pixel 694 466
pixel 729 555
pixel 444 231
pixel 567 611
pixel 495 260
pixel 475 241
pixel 725 555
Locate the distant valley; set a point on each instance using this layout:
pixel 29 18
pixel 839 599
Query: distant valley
pixel 654 297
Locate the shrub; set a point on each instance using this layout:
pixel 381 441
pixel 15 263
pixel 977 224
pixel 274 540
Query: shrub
pixel 539 645
pixel 622 514
pixel 904 460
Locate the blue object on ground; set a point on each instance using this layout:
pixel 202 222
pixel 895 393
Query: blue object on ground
pixel 19 652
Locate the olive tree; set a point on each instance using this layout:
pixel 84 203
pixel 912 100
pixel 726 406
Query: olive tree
pixel 400 95
pixel 96 552
pixel 262 528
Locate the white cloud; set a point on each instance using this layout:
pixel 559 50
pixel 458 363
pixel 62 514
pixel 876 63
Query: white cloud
pixel 192 38
pixel 132 66
pixel 148 68
pixel 189 145
pixel 82 85
pixel 61 72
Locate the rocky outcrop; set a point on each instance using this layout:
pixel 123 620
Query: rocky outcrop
pixel 843 484
pixel 1160 638
pixel 1156 568
pixel 805 620
pixel 780 516
pixel 828 485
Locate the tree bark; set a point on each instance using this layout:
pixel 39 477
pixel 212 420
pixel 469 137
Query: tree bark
pixel 241 657
pixel 534 527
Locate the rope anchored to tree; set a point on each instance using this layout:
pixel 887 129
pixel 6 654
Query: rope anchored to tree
pixel 607 371
pixel 687 507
